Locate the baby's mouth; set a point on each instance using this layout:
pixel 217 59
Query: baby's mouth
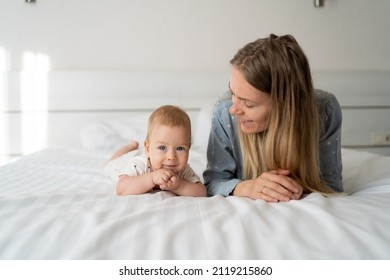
pixel 169 166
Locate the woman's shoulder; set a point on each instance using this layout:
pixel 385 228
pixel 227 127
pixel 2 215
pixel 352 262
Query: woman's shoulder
pixel 327 102
pixel 224 100
pixel 222 106
pixel 325 98
pixel 329 111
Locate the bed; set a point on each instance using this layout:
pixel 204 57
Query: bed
pixel 56 203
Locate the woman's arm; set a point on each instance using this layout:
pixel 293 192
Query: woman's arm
pixel 330 143
pixel 223 170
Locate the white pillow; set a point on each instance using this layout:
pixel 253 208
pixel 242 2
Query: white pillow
pixel 200 136
pixel 110 135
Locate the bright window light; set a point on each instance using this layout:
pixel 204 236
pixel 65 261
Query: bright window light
pixel 4 129
pixel 34 102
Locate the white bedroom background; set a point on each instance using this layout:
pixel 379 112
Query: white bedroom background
pixel 196 36
pixel 191 34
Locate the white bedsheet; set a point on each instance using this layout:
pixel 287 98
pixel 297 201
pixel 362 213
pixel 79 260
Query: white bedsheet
pixel 56 204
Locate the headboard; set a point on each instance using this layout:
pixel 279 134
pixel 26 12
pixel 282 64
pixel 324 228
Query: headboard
pixel 48 109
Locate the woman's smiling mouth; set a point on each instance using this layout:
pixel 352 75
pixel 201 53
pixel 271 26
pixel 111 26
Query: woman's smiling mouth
pixel 245 122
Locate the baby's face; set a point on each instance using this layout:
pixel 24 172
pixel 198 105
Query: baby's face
pixel 168 147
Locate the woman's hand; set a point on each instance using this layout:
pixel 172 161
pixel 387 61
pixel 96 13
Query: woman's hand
pixel 272 186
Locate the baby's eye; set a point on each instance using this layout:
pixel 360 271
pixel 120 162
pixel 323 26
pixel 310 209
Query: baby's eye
pixel 162 148
pixel 181 148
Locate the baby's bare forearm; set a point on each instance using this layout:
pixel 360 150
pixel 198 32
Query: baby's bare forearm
pixel 134 184
pixel 190 189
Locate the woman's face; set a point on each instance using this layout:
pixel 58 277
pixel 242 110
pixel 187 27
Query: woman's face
pixel 251 106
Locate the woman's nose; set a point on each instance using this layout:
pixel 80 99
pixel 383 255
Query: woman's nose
pixel 235 109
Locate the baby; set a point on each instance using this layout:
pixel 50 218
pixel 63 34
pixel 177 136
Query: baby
pixel 164 164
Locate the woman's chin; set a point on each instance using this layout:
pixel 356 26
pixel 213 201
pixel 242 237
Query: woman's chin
pixel 249 128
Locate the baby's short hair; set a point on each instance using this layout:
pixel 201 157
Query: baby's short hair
pixel 169 115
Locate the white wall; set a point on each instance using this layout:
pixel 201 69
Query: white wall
pixel 190 34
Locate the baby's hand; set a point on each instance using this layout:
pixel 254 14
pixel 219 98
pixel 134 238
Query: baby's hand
pixel 162 176
pixel 172 184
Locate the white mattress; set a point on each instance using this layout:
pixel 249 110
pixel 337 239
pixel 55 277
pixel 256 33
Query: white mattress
pixel 56 204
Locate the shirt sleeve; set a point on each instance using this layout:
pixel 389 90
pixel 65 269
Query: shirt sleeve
pixel 190 175
pixel 223 171
pixel 330 142
pixel 126 164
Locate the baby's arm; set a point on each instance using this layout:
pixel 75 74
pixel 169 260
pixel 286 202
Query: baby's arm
pixel 142 183
pixel 164 178
pixel 187 188
pixel 134 184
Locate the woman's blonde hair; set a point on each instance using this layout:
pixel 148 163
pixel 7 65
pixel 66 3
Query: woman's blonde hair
pixel 278 66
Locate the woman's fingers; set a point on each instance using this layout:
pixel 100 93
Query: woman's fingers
pixel 276 186
pixel 281 180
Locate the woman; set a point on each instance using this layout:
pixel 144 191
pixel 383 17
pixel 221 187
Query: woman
pixel 274 138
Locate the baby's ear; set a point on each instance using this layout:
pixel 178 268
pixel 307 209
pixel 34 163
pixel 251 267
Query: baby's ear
pixel 146 147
